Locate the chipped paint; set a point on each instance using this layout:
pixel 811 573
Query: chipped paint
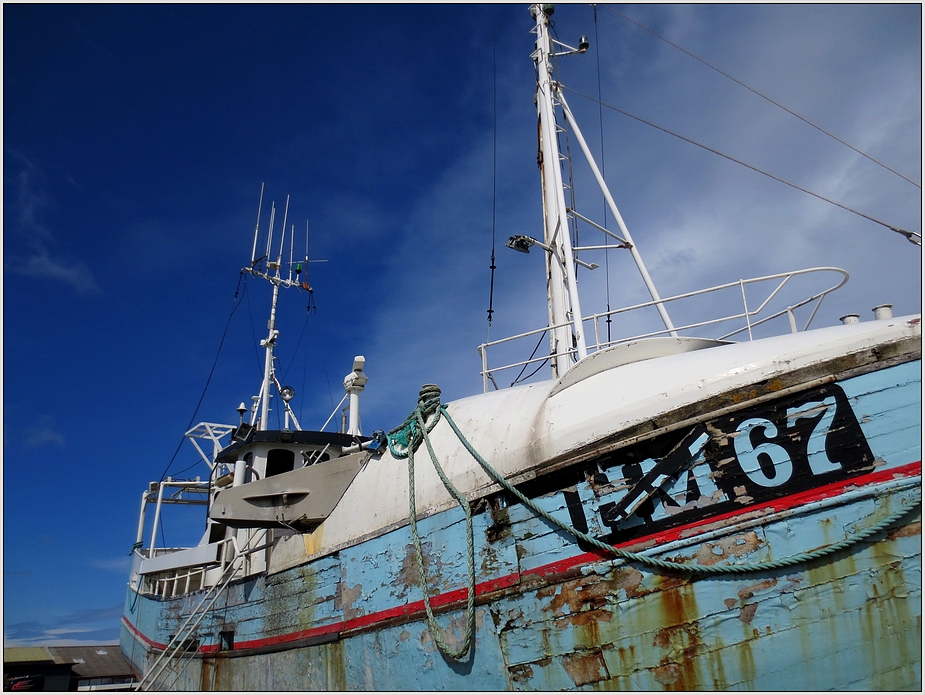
pixel 553 616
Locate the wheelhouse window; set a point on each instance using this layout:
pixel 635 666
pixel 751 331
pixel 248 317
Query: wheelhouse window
pixel 280 461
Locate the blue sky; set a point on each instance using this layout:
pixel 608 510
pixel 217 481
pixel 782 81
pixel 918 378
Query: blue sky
pixel 136 138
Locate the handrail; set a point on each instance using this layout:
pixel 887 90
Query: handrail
pixel 201 568
pixel 747 315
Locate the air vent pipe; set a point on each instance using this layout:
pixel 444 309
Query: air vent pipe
pixel 884 311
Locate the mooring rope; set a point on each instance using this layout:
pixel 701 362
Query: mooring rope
pixel 406 438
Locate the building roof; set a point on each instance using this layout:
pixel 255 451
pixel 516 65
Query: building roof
pixel 100 661
pixel 22 655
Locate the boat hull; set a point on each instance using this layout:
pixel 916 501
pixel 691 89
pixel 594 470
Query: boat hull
pixel 552 613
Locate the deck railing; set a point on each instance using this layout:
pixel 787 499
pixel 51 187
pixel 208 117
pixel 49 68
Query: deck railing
pixel 193 578
pixel 750 318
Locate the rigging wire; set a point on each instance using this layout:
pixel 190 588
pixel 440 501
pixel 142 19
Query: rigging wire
pixel 914 237
pixel 524 368
pixel 755 91
pixel 255 340
pixel 236 303
pixel 600 118
pixel 494 165
pixel 296 352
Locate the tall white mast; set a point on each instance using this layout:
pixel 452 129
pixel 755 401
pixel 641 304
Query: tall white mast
pixel 568 341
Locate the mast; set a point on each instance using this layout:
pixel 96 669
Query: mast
pixel 261 408
pixel 269 344
pixel 564 304
pixel 568 341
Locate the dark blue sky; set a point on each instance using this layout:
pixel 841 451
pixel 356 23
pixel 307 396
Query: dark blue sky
pixel 136 138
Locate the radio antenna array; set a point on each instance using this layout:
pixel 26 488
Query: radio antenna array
pixel 271 273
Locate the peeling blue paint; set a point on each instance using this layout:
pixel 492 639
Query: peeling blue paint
pixel 562 620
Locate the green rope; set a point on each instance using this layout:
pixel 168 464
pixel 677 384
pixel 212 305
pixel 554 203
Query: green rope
pixel 678 566
pixel 403 442
pixel 429 404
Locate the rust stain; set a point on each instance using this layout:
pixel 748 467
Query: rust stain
pixel 629 579
pixel 670 581
pixel 577 594
pixel 585 667
pixel 667 674
pixel 734 546
pixel 749 591
pixel 682 640
pixel 627 658
pixel 585 618
pixel 680 637
pixel 730 602
pixel 592 592
pixel 521 673
pixel 913 529
pixel 747 612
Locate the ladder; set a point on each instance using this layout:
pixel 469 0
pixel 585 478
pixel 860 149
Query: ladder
pixel 179 643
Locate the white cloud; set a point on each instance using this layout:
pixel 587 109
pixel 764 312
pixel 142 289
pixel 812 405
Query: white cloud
pixel 31 254
pixel 42 436
pixel 42 267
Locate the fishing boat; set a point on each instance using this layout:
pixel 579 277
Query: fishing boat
pixel 700 506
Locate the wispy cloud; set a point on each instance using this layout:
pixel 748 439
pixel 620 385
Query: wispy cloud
pixel 43 433
pixel 36 241
pixel 89 626
pixel 41 266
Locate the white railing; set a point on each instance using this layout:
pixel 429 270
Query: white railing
pixel 194 578
pixel 750 318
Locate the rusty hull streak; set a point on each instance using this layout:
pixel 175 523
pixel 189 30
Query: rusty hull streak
pixel 585 667
pixel 913 529
pixel 711 553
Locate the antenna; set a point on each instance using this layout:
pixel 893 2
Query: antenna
pixel 282 240
pixel 271 273
pixel 291 243
pixel 270 235
pixel 257 226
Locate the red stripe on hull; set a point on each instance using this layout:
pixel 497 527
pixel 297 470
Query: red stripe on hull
pixel 507 581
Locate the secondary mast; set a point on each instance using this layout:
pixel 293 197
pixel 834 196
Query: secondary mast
pixel 271 273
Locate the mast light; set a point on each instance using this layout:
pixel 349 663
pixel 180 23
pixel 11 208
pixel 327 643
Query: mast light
pixel 520 243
